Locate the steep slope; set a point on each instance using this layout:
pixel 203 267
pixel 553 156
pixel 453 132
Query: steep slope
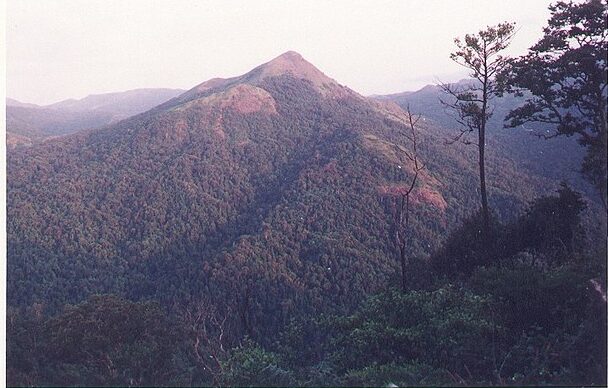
pixel 29 123
pixel 270 192
pixel 289 64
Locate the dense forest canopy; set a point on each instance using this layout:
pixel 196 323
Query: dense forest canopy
pixel 242 234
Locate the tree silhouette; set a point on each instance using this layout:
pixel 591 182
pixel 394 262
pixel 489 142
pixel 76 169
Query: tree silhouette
pixel 402 209
pixel 566 74
pixel 471 101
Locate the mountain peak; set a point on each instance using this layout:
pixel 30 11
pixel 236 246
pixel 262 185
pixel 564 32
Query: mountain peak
pixel 289 63
pixel 291 55
pixel 293 64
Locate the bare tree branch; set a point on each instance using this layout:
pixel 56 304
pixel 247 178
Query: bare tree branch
pixel 402 209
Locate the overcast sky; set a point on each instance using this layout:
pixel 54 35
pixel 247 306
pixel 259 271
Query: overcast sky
pixel 59 49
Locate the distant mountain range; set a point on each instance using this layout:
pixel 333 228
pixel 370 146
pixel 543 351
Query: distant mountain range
pixel 31 123
pixel 272 192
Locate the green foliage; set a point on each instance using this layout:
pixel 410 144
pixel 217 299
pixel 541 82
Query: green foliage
pixel 557 358
pixel 273 219
pixel 550 222
pixel 552 225
pixel 24 328
pixel 479 53
pixel 529 296
pixel 448 328
pixel 304 342
pixel 466 248
pixel 104 341
pixel 411 374
pixel 284 211
pixel 251 366
pixel 527 318
pixel 566 72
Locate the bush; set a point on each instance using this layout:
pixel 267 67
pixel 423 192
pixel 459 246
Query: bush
pixel 552 224
pixel 250 365
pixel 467 248
pixel 400 375
pixel 105 340
pixel 449 328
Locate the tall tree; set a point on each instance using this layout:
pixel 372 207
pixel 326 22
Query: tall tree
pixel 565 72
pixel 471 101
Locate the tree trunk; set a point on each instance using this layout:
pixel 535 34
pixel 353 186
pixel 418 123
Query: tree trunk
pixel 403 269
pixel 482 162
pixel 400 240
pixel 482 183
pixel 404 210
pixel 603 136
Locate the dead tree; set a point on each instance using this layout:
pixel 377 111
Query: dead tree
pixel 402 213
pixel 207 327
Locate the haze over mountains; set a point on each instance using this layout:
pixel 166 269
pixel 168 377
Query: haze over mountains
pixel 31 123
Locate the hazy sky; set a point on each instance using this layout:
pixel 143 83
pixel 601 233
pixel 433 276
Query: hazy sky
pixel 59 49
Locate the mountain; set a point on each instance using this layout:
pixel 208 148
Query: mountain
pixel 543 157
pixel 26 125
pixel 13 102
pixel 123 104
pixel 29 123
pixel 270 193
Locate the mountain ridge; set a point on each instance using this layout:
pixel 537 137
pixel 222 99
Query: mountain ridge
pixel 289 63
pixel 28 124
pixel 276 198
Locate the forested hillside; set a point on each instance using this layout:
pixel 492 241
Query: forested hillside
pixel 247 207
pixel 281 178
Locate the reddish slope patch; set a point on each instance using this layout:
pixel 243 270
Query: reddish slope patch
pixel 249 99
pixel 420 195
pixel 431 197
pixel 242 98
